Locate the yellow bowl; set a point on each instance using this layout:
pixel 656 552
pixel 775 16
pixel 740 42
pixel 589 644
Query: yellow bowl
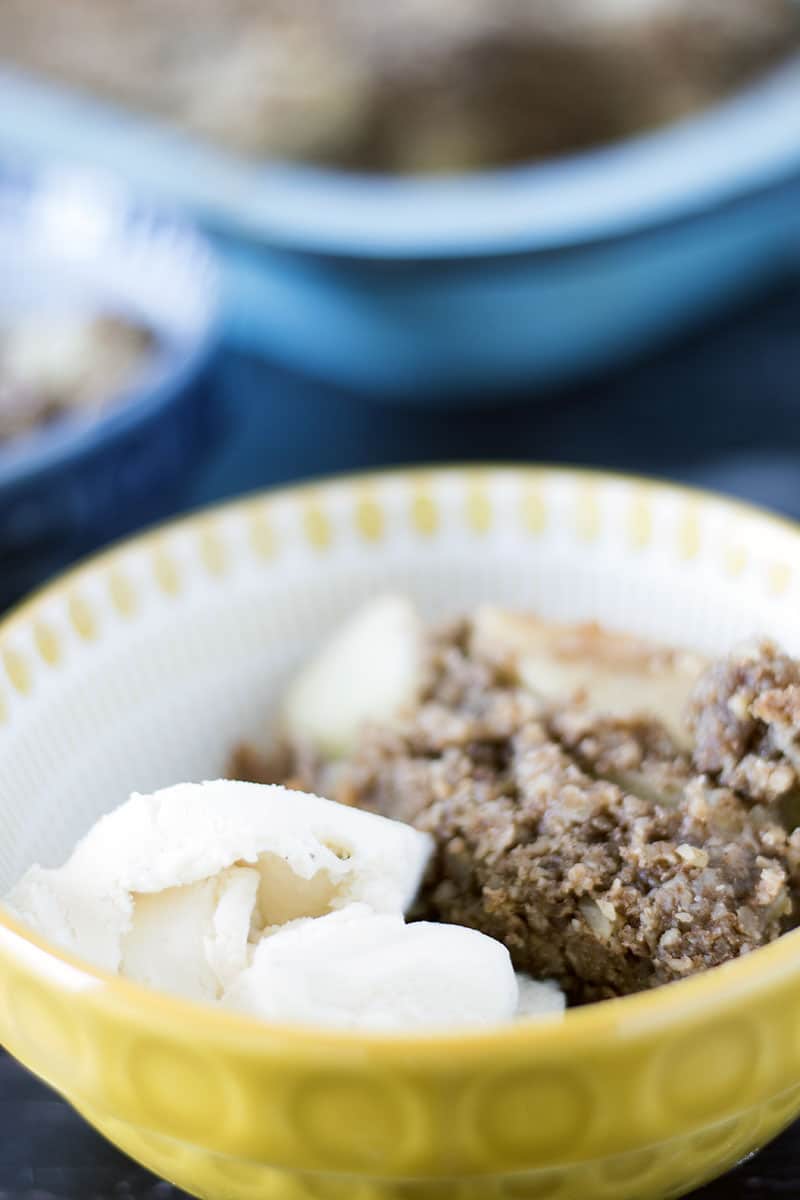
pixel 145 665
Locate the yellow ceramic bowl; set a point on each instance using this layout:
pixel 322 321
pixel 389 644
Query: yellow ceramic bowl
pixel 144 666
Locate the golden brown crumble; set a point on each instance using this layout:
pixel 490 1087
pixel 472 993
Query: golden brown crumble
pixel 599 851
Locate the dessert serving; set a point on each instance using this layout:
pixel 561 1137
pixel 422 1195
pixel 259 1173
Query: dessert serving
pixel 567 782
pixel 450 85
pixel 618 814
pixel 606 814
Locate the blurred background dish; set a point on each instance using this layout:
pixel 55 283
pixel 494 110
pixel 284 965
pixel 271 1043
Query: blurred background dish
pixel 455 287
pixel 108 317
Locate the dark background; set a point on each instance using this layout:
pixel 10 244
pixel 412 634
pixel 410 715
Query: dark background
pixel 720 409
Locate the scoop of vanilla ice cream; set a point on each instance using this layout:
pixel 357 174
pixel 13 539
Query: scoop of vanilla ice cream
pixel 192 940
pixel 372 971
pixel 311 855
pixel 276 903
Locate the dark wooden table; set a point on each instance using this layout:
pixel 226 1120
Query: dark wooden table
pixel 721 409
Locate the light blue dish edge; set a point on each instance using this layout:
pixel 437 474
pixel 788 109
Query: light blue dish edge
pixel 748 142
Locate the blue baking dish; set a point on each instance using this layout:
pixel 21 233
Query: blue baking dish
pixel 68 242
pixel 455 288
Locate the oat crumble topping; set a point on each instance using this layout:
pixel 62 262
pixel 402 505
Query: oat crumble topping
pixel 604 854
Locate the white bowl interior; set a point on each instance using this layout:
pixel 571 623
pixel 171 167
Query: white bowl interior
pixel 148 665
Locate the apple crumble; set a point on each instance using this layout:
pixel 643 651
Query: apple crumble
pixel 614 812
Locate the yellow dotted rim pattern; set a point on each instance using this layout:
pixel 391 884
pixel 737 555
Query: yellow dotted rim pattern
pixel 425 517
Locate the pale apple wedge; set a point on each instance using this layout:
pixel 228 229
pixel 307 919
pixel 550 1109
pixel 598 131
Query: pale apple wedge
pixel 614 674
pixel 369 671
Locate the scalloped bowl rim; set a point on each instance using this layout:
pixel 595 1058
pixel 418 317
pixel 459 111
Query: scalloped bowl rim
pixel 667 1004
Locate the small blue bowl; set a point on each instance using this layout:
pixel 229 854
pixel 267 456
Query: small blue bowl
pixel 426 289
pixel 69 240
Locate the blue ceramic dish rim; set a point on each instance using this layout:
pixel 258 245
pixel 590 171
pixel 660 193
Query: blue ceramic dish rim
pixel 58 446
pixel 746 143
